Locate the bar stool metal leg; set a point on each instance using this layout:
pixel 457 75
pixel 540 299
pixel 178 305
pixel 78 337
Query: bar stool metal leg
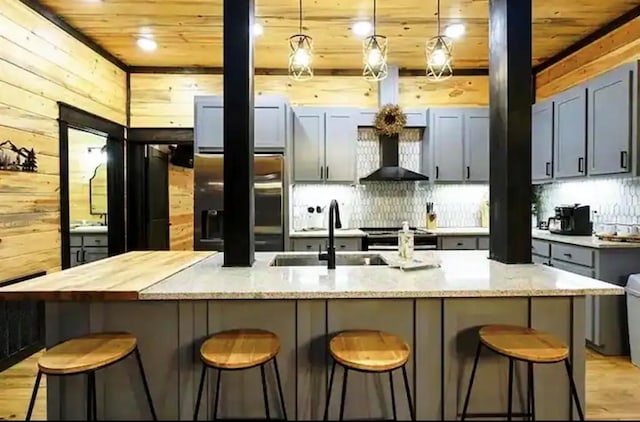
pixel 34 394
pixel 393 396
pixel 344 392
pixel 94 402
pixel 412 411
pixel 326 404
pixel 574 391
pixel 284 408
pixel 217 400
pixel 510 396
pixel 473 376
pixel 146 385
pixel 532 393
pixel 264 392
pixel 200 388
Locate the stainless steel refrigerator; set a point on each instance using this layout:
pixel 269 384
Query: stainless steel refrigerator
pixel 209 202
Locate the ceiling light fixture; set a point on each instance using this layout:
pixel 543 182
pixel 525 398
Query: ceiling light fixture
pixel 438 52
pixel 301 54
pixel 147 43
pixel 374 54
pixel 454 31
pixel 362 28
pixel 257 29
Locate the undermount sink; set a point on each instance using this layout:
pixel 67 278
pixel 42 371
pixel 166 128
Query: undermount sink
pixel 314 261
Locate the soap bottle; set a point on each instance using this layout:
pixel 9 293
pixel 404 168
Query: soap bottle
pixel 405 241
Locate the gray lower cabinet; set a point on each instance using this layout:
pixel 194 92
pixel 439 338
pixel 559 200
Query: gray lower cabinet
pixel 416 117
pixel 610 122
pixel 570 137
pixel 324 144
pixel 463 242
pixel 87 248
pixel 542 141
pixel 313 244
pixel 270 122
pixel 606 320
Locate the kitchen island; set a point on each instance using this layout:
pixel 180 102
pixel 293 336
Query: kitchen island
pixel 435 310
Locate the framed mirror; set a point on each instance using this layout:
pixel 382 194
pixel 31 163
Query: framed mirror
pixel 98 181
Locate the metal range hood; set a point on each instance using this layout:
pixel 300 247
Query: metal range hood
pixel 390 170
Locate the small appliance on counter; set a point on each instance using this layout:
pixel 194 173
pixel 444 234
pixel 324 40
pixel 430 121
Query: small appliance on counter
pixel 572 220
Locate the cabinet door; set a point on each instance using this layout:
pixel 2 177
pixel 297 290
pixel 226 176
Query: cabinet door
pixel 209 121
pixel 341 141
pixel 308 144
pixel 76 256
pixel 542 141
pixel 476 138
pixel 448 144
pixel 416 117
pixel 609 122
pixel 310 244
pixel 94 254
pixel 269 125
pixel 570 133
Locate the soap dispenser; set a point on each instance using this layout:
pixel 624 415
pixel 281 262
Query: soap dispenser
pixel 405 241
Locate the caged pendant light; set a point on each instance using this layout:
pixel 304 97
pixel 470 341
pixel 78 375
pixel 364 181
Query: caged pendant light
pixel 374 54
pixel 301 54
pixel 438 51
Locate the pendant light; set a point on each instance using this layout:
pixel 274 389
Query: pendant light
pixel 438 51
pixel 301 54
pixel 374 54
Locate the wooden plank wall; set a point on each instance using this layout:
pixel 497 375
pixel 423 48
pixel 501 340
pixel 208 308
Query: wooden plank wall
pixel 40 65
pixel 180 208
pixel 163 100
pixel 618 47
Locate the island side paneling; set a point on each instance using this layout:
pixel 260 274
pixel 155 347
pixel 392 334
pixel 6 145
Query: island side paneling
pixel 40 65
pixel 441 332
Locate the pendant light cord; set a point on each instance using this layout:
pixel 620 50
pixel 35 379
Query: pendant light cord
pixel 374 16
pixel 438 17
pixel 300 17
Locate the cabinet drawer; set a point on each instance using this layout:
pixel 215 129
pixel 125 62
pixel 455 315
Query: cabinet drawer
pixel 308 244
pixel 542 248
pixel 572 254
pixel 76 240
pixel 537 259
pixel 483 243
pixel 573 268
pixel 96 241
pixel 348 244
pixel 460 243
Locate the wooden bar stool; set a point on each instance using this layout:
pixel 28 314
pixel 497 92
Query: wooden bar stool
pixel 526 345
pixel 371 352
pixel 85 355
pixel 237 350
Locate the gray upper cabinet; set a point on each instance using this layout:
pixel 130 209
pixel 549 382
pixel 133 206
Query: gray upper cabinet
pixel 610 128
pixel 570 132
pixel 542 141
pixel 325 144
pixel 308 144
pixel 341 135
pixel 447 138
pixel 416 117
pixel 269 123
pixel 476 139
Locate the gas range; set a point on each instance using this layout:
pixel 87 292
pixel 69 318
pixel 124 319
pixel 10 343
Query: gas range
pixel 386 238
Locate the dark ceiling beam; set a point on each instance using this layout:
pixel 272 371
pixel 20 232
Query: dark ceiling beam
pixel 589 39
pixel 199 70
pixel 62 24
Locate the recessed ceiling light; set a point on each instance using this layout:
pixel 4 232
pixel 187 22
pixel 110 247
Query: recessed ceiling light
pixel 145 30
pixel 257 29
pixel 454 31
pixel 147 44
pixel 362 28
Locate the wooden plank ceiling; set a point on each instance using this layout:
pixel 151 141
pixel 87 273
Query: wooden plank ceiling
pixel 189 32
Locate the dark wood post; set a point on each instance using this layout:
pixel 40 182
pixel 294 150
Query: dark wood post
pixel 238 226
pixel 510 129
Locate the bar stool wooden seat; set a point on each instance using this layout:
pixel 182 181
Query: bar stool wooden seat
pixel 369 351
pixel 527 345
pixel 85 355
pixel 237 350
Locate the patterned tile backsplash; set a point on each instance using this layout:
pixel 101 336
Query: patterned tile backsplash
pixel 615 199
pixel 381 204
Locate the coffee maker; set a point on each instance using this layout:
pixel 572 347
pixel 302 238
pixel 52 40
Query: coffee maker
pixel 572 220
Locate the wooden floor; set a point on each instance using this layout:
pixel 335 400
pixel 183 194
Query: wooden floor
pixel 613 389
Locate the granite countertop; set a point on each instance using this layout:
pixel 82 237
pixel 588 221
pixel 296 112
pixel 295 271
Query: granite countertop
pixel 586 241
pixel 325 233
pixel 461 274
pixel 89 230
pixel 459 231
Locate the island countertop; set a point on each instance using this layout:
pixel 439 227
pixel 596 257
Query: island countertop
pixel 460 274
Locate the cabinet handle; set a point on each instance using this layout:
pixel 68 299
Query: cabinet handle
pixel 568 255
pixel 84 256
pixel 548 169
pixel 623 159
pixel 78 255
pixel 459 243
pixel 468 172
pixel 322 172
pixel 327 172
pixel 580 164
pixel 437 172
